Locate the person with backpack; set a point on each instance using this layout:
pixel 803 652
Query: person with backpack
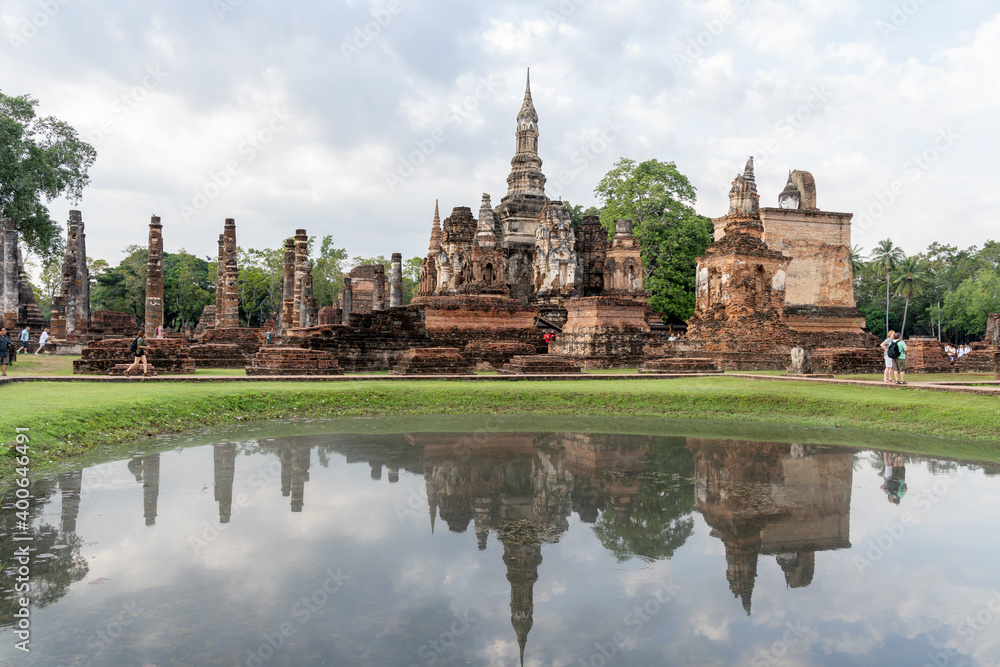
pixel 138 348
pixel 24 338
pixel 6 350
pixel 887 374
pixel 897 352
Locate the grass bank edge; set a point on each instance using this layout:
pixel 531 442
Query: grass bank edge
pixel 65 421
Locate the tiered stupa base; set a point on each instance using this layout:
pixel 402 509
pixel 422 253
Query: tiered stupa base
pixel 491 355
pixel 102 356
pixel 539 364
pixel 218 355
pixel 692 365
pixel 433 361
pixel 293 361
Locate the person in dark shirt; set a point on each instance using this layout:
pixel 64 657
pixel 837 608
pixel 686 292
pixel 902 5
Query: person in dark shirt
pixel 140 353
pixel 5 346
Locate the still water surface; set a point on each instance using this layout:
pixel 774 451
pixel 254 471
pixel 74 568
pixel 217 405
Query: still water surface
pixel 547 548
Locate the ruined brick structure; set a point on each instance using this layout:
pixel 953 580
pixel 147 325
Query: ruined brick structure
pixel 154 278
pixel 70 315
pixel 591 250
pixel 623 262
pixel 740 286
pixel 11 272
pixel 111 324
pixel 519 211
pixel 993 329
pixel 227 313
pixel 433 361
pixel 527 250
pixel 165 356
pixel 820 308
pixel 396 281
pixel 367 289
pixel 284 322
pixel 555 262
pixel 293 361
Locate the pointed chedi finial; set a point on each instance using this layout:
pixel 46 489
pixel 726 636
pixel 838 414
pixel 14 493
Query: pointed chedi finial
pixel 435 244
pixel 527 115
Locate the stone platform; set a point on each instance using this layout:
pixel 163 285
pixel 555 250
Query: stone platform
pixel 293 361
pixel 539 364
pixel 119 370
pixel 101 356
pixel 433 361
pixel 218 355
pixel 692 365
pixel 848 361
pixel 926 355
pixel 491 355
pixel 980 360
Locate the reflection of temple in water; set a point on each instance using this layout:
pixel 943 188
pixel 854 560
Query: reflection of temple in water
pixel 146 470
pixel 788 501
pixel 775 499
pixel 524 487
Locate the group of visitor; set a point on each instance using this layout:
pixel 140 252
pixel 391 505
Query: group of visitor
pixel 894 476
pixel 956 353
pixel 894 352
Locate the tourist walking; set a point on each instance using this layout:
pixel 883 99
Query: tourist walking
pixel 42 340
pixel 6 348
pixel 887 374
pixel 894 477
pixel 159 331
pixel 24 338
pixel 899 363
pixel 138 348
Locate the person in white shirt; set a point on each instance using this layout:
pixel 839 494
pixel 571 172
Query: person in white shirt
pixel 42 340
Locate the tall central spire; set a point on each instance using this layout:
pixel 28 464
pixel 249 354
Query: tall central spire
pixel 526 175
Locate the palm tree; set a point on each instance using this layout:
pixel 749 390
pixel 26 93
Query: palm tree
pixel 857 256
pixel 909 280
pixel 885 256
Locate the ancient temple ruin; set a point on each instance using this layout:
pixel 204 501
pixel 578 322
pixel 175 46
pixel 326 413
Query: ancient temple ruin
pixel 740 286
pixel 154 278
pixel 227 313
pixel 70 314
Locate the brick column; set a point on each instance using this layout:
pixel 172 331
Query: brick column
pixel 154 278
pixel 227 310
pixel 301 255
pixel 288 287
pixel 10 274
pixel 396 281
pixel 347 296
pixel 378 288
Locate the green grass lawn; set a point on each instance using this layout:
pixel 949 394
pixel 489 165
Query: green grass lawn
pixel 64 420
pixel 43 364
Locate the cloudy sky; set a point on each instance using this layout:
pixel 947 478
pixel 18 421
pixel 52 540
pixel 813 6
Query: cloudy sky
pixel 350 118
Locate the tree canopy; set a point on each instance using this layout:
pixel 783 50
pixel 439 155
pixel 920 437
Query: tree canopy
pixel 659 201
pixel 41 158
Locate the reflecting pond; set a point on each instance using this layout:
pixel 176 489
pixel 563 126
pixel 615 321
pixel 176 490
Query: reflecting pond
pixel 501 548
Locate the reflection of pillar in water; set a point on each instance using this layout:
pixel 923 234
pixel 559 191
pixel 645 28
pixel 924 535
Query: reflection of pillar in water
pixel 741 565
pixel 285 456
pixel 798 567
pixel 432 496
pixel 522 561
pixel 393 474
pixel 225 472
pixel 70 484
pixel 150 487
pixel 376 471
pixel 300 475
